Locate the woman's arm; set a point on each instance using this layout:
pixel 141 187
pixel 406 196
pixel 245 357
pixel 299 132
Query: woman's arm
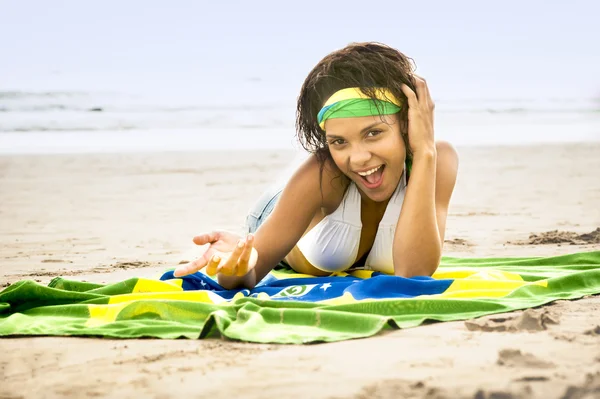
pixel 419 235
pixel 283 228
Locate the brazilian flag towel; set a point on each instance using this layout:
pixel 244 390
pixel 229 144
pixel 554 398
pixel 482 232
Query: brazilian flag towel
pixel 293 308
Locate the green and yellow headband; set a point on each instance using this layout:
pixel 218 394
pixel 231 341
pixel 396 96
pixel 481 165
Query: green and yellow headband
pixel 353 103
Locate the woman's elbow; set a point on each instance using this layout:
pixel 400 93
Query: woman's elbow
pixel 420 268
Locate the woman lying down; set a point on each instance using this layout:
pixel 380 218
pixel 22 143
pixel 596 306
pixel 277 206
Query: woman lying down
pixel 374 191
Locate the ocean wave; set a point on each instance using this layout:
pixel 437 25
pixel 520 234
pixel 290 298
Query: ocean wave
pixel 67 129
pixel 53 127
pixel 54 108
pixel 248 108
pixel 133 108
pixel 39 108
pixel 18 95
pixel 119 104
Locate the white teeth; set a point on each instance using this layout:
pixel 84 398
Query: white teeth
pixel 369 172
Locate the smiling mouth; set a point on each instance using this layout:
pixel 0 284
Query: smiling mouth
pixel 373 179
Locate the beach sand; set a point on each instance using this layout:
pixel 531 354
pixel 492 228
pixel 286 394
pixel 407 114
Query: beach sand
pixel 107 217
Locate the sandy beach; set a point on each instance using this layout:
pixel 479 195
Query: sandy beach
pixel 107 217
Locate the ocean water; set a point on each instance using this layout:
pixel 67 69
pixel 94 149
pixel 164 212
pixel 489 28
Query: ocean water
pixel 71 121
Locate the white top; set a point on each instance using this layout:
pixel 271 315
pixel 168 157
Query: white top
pixel 332 245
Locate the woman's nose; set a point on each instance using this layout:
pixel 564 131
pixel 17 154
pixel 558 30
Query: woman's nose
pixel 360 157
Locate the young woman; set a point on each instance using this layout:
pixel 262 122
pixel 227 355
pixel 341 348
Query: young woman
pixel 374 192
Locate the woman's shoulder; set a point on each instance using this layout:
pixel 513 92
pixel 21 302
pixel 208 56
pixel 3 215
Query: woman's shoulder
pixel 325 177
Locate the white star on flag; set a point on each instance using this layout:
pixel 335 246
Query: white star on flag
pixel 203 283
pixel 325 286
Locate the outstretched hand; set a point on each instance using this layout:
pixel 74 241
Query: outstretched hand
pixel 227 253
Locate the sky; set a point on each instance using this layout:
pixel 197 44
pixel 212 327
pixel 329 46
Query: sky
pixel 264 49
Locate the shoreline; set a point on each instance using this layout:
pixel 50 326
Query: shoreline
pixel 294 150
pixel 465 134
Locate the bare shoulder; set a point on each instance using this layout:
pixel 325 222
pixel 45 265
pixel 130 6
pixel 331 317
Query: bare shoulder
pixel 446 151
pixel 446 170
pixel 326 179
pixel 447 158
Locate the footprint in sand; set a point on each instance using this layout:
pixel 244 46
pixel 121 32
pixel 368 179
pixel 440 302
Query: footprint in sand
pixel 130 265
pixel 524 393
pixel 459 242
pixel 397 388
pixel 529 320
pixel 560 237
pixel 594 331
pixel 515 358
pixel 589 389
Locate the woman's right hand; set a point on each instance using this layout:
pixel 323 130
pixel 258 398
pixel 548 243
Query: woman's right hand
pixel 227 253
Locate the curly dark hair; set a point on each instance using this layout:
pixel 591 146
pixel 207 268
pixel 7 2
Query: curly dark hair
pixel 365 65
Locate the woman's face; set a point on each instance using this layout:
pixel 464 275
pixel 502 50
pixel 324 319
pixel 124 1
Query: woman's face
pixel 370 151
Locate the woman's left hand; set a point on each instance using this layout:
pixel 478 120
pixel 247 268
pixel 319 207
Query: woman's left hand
pixel 420 117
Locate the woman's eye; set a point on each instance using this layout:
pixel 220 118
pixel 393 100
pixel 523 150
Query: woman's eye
pixel 337 142
pixel 374 133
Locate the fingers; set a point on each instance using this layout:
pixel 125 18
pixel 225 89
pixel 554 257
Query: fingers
pixel 422 97
pixel 230 266
pixel 421 87
pixel 189 268
pixel 242 265
pixel 411 97
pixel 206 238
pixel 236 263
pixel 213 265
pixel 423 91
